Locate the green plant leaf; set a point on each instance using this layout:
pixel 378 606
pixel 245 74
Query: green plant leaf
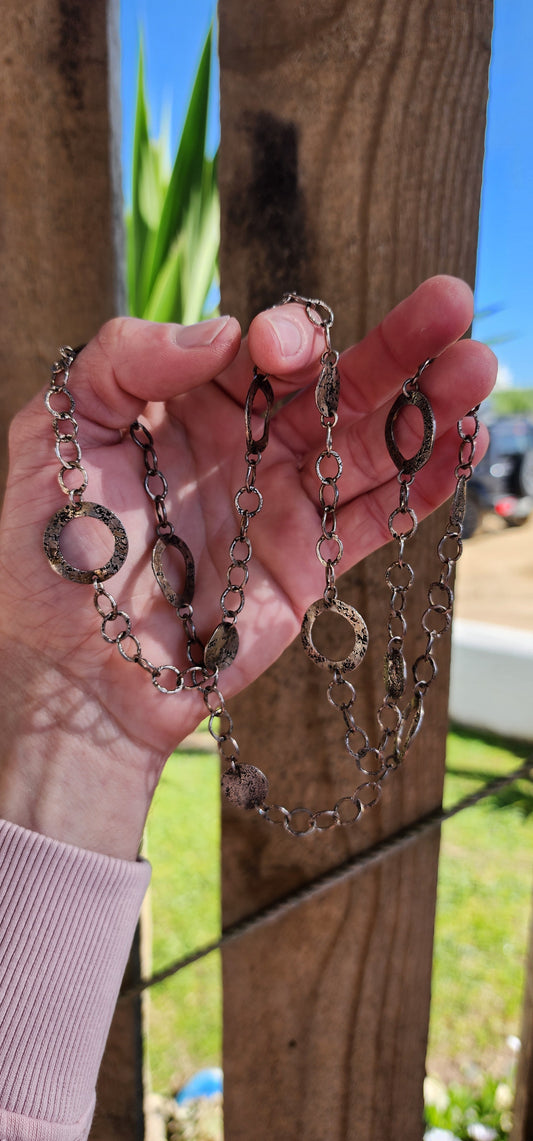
pixel 173 228
pixel 186 177
pixel 202 239
pixel 137 228
pixel 165 302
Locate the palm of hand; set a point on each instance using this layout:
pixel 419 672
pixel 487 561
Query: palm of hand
pixel 199 440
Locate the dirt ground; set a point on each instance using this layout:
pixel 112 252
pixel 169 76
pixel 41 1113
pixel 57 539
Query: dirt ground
pixel 495 576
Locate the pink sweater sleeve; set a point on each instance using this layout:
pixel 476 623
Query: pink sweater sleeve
pixel 67 919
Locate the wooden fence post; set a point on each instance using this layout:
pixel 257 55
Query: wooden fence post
pixel 61 270
pixel 351 161
pixel 61 276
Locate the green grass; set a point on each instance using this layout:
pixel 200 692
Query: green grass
pixel 481 931
pixel 183 843
pixel 483 909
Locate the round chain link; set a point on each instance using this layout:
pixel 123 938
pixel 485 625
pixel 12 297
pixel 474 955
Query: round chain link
pixel 398 726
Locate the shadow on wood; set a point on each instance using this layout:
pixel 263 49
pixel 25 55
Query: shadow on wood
pixel 350 169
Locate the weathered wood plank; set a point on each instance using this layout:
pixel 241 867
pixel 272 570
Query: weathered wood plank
pixel 61 276
pixel 61 271
pixel 352 144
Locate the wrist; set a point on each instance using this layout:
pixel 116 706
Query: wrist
pixel 67 771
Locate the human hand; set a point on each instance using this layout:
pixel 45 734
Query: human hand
pixel 86 734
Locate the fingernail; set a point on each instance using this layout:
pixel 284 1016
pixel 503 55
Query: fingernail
pixel 288 333
pixel 200 335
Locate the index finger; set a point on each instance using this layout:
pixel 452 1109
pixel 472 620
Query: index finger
pixel 422 326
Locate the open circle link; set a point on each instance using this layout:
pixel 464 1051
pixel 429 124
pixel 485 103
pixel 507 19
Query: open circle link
pixel 410 531
pixel 305 812
pixel 61 418
pixel 330 454
pixel 326 484
pixel 153 494
pixel 150 459
pixel 214 692
pixel 59 390
pixel 123 637
pixel 432 669
pixel 397 718
pixel 341 683
pixel 330 517
pixel 113 618
pixel 113 605
pixel 231 754
pixel 401 620
pixel 399 600
pixel 177 674
pixel 75 461
pixel 246 542
pixel 231 612
pixel 326 819
pixel 378 772
pixel 197 675
pixel 75 466
pixel 405 580
pixel 455 553
pixel 266 810
pixel 354 804
pixel 65 515
pixel 238 565
pixel 340 549
pixel 443 613
pixel 217 715
pixel 363 748
pixel 472 415
pixel 369 785
pixel 447 591
pixel 249 512
pixel 298 821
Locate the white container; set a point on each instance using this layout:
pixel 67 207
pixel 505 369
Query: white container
pixel 491 682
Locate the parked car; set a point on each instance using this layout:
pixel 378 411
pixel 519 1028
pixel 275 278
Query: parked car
pixel 503 480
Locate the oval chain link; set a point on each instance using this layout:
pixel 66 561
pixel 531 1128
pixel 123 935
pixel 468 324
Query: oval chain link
pixel 398 726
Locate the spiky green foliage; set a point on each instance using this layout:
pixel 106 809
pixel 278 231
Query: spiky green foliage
pixel 173 226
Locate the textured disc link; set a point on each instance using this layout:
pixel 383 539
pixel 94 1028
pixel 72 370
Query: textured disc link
pixel 244 784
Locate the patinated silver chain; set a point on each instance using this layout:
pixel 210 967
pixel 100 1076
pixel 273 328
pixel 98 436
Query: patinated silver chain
pixel 399 717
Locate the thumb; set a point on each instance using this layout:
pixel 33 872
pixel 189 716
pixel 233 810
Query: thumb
pixel 131 362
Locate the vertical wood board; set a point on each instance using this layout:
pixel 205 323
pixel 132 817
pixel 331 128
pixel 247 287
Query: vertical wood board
pixel 61 277
pixel 61 271
pixel 352 145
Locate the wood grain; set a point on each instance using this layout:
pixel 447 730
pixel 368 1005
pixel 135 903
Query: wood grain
pixel 61 277
pixel 61 270
pixel 352 145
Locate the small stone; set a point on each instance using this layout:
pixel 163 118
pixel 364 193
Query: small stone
pixel 245 786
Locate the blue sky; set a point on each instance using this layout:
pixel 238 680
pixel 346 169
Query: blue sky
pixel 173 35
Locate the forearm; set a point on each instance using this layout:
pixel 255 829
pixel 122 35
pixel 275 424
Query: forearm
pixel 73 803
pixel 66 770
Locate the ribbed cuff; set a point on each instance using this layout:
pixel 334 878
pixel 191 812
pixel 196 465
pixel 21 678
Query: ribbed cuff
pixel 67 920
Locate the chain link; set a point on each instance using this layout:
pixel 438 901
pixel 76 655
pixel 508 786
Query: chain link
pixel 58 388
pixel 399 716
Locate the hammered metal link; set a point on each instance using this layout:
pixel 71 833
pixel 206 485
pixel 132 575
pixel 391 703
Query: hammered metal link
pixel 398 723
